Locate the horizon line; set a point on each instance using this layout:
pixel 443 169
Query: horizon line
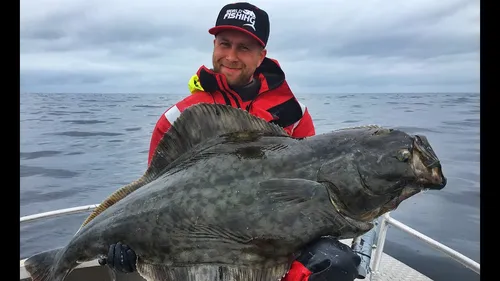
pixel 150 93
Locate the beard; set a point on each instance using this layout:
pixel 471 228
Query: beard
pixel 234 80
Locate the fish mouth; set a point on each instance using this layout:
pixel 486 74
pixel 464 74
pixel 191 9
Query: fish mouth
pixel 426 166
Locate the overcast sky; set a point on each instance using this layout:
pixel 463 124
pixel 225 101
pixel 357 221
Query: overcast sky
pixel 328 46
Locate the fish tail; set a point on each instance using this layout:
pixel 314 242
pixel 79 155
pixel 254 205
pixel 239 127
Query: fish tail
pixel 43 266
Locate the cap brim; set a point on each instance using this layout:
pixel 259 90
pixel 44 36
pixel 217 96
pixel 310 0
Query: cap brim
pixel 217 29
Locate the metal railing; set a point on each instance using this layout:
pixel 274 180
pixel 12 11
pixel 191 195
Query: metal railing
pixel 55 213
pixel 387 220
pixel 378 233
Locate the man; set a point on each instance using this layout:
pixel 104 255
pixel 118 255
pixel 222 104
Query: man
pixel 243 77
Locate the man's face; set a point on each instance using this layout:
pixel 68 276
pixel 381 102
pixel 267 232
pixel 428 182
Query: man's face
pixel 236 55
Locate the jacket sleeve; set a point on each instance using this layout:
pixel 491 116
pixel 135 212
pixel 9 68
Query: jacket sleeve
pixel 162 126
pixel 305 126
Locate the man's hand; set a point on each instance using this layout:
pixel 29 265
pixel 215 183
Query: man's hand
pixel 120 258
pixel 325 260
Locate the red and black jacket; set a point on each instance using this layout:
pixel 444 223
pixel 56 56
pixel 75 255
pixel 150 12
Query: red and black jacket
pixel 275 102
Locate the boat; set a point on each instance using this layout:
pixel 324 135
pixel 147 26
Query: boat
pixel 381 267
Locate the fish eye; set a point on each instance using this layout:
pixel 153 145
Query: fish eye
pixel 403 155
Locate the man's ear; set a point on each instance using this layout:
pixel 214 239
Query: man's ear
pixel 263 54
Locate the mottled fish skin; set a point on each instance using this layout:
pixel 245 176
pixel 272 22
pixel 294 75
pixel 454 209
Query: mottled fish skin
pixel 241 205
pixel 199 130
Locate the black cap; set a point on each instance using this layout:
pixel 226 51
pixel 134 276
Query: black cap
pixel 245 17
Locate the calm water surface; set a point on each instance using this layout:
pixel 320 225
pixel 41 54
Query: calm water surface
pixel 76 149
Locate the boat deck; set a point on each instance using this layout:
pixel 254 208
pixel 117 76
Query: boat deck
pixel 390 269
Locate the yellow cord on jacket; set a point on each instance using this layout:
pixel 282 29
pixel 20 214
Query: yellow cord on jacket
pixel 194 84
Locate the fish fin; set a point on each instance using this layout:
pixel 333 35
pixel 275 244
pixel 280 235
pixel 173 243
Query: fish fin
pixel 41 266
pixel 204 121
pixel 369 126
pixel 290 194
pixel 210 272
pixel 292 191
pixel 196 124
pixel 152 272
pixel 115 197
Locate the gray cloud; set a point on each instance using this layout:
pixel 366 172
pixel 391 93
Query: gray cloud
pixel 324 46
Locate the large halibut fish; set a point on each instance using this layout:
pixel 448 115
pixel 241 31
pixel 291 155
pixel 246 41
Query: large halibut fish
pixel 229 196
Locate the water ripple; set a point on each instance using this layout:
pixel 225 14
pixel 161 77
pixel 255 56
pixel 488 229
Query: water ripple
pixel 84 134
pixel 39 154
pixel 27 171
